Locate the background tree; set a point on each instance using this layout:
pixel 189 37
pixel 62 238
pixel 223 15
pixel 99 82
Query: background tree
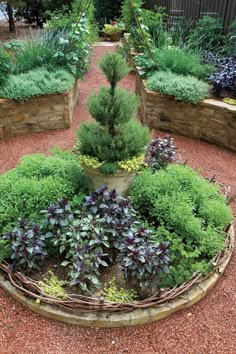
pixel 107 10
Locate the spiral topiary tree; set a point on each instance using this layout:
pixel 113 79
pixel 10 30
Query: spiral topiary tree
pixel 115 136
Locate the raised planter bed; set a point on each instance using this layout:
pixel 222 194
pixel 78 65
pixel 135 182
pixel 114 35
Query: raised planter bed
pixel 94 312
pixel 38 114
pixel 210 120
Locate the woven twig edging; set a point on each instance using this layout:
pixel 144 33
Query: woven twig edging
pixel 80 303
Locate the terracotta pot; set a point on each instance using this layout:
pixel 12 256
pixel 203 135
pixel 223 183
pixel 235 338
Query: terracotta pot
pixel 115 37
pixel 120 181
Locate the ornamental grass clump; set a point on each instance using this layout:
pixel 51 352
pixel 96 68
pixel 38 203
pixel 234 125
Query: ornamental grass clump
pixel 115 136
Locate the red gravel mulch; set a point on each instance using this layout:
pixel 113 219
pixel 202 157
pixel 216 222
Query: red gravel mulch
pixel 208 327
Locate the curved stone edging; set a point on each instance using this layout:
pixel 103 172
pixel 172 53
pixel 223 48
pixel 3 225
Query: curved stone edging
pixel 136 317
pixel 210 120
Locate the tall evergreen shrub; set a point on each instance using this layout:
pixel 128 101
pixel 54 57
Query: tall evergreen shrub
pixel 114 136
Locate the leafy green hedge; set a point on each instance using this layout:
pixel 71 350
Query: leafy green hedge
pixel 36 82
pixel 187 211
pixel 184 88
pixel 35 183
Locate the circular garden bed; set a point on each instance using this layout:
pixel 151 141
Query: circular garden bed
pixel 105 260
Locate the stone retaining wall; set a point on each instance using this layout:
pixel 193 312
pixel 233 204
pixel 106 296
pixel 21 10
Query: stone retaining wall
pixel 210 120
pixel 38 114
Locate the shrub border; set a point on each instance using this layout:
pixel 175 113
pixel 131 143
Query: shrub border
pixel 138 316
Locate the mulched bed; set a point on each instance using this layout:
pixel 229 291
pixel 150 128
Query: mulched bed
pixel 207 327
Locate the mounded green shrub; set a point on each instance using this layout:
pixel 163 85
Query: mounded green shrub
pixel 186 210
pixel 37 82
pixel 176 179
pixel 35 183
pixel 183 88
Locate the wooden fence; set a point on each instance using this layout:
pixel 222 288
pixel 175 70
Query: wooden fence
pixel 194 9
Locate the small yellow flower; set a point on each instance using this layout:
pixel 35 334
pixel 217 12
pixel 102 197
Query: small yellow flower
pixel 38 301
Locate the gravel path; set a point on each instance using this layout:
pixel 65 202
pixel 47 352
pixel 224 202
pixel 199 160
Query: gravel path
pixel 208 327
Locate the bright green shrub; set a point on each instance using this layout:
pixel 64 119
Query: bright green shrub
pixel 25 197
pixel 175 211
pixel 36 83
pixel 40 166
pixel 175 178
pixel 211 242
pixel 189 192
pixel 186 210
pixel 5 65
pixel 34 184
pixel 215 212
pixel 183 88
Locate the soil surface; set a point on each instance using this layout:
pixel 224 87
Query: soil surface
pixel 208 327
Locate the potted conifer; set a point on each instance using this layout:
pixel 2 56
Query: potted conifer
pixel 111 148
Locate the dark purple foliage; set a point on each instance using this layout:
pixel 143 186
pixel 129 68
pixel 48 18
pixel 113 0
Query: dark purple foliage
pixel 224 79
pixel 143 260
pixel 27 245
pixel 210 58
pixel 160 153
pixel 117 211
pixel 58 217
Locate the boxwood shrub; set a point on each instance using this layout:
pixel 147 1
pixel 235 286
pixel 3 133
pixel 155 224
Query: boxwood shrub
pixel 183 88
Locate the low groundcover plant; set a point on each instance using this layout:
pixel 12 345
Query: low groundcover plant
pixel 183 88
